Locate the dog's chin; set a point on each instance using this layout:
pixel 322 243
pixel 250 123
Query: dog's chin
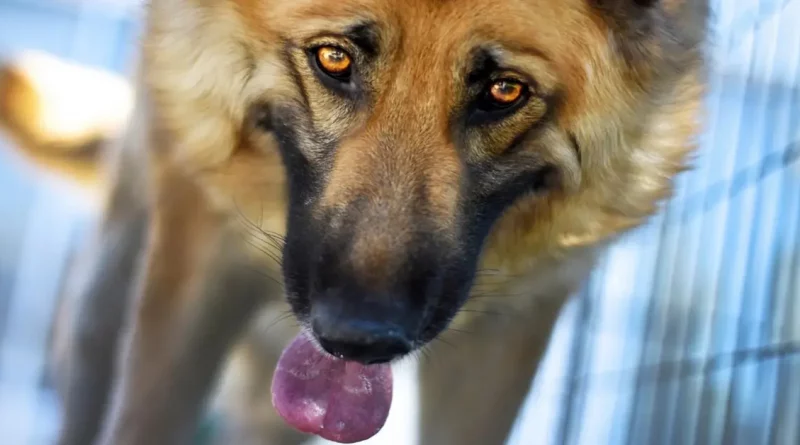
pixel 338 370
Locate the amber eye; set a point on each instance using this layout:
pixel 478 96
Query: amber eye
pixel 498 100
pixel 506 92
pixel 334 61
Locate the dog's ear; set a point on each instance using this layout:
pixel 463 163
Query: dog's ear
pixel 656 31
pixel 626 3
pixel 641 15
pixel 626 15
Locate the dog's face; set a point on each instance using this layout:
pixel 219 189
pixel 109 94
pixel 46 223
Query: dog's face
pixel 420 138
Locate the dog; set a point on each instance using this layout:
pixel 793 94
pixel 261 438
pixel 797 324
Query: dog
pixel 425 178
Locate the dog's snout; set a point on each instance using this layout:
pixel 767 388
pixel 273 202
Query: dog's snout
pixel 376 334
pixel 368 290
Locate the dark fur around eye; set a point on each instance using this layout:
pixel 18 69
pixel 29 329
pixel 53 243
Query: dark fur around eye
pixel 343 83
pixel 486 110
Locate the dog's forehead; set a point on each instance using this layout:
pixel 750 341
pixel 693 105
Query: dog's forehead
pixel 438 23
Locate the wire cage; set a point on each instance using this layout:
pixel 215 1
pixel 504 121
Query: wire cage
pixel 687 333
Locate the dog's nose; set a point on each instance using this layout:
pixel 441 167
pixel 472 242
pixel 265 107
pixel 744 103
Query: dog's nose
pixel 369 336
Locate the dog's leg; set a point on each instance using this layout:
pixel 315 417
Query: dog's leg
pixel 472 387
pixel 196 296
pixel 101 296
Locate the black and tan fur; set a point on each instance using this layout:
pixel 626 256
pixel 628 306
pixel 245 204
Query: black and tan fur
pixel 244 180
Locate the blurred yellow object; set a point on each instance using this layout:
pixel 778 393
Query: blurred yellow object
pixel 52 107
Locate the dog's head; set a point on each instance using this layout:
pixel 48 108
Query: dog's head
pixel 419 138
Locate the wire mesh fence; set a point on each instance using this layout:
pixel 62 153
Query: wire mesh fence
pixel 688 332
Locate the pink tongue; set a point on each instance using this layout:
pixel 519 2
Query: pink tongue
pixel 342 401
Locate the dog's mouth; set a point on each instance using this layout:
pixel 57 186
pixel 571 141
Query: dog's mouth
pixel 338 400
pixel 334 380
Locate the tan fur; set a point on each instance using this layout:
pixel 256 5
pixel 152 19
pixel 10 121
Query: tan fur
pixel 62 128
pixel 213 184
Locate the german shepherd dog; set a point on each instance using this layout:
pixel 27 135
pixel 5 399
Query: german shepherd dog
pixel 397 178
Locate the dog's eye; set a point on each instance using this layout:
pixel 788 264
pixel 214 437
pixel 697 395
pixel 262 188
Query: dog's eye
pixel 505 92
pixel 334 62
pixel 499 99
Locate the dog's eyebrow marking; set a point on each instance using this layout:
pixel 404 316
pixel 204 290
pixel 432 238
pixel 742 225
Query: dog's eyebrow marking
pixel 490 57
pixel 365 36
pixel 497 55
pixel 482 65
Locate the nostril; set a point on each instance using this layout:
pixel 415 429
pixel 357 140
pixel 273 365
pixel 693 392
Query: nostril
pixel 366 353
pixel 363 341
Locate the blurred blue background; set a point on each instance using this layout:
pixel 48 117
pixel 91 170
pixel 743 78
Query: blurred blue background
pixel 688 333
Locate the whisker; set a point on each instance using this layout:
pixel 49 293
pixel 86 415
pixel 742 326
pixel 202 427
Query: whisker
pixel 276 239
pixel 264 250
pixel 480 296
pixel 282 317
pixel 460 331
pixel 262 273
pixel 480 311
pixel 266 236
pixel 495 273
pixel 426 354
